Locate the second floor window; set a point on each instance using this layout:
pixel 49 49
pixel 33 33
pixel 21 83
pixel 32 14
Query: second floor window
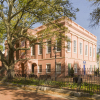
pixel 69 46
pixel 94 52
pixel 40 49
pixel 80 48
pixel 86 50
pixel 59 45
pixel 33 50
pixel 48 46
pixel 74 46
pixel 90 51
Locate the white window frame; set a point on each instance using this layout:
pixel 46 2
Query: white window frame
pixel 39 49
pixel 69 49
pixel 38 68
pixel 81 48
pixel 75 68
pixel 32 51
pixel 48 46
pixel 60 68
pixel 76 46
pixel 57 48
pixel 87 50
pixel 90 51
pixel 46 68
pixel 94 52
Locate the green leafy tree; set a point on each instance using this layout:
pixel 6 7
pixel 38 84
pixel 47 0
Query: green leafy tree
pixel 18 16
pixel 95 14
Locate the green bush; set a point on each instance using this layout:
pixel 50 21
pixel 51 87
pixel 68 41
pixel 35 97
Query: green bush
pixel 72 72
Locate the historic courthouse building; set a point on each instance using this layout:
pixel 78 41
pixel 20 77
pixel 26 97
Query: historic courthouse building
pixel 83 47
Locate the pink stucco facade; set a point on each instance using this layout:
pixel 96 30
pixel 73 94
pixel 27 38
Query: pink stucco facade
pixel 83 46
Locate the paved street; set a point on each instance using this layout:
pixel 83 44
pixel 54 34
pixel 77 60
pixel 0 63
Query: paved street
pixel 17 94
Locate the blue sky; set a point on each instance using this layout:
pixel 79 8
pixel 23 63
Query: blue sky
pixel 83 17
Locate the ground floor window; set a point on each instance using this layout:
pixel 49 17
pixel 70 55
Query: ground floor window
pixel 48 68
pixel 39 68
pixel 69 68
pixel 58 68
pixel 75 68
pixel 90 68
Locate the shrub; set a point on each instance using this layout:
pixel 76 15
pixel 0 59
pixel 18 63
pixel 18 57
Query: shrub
pixel 71 72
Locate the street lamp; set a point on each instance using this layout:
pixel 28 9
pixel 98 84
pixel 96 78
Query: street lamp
pixel 54 50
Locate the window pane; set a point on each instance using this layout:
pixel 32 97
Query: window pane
pixel 59 45
pixel 80 48
pixel 48 68
pixel 74 45
pixel 49 47
pixel 58 68
pixel 75 68
pixel 40 49
pixel 68 45
pixel 40 68
pixel 85 49
pixel 33 50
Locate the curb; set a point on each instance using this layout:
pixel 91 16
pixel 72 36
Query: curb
pixel 67 93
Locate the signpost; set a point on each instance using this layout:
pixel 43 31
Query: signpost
pixel 84 62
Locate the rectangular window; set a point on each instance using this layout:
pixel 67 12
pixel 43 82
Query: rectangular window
pixel 90 51
pixel 59 45
pixel 48 68
pixel 69 46
pixel 80 48
pixel 69 68
pixel 86 50
pixel 74 46
pixel 90 68
pixel 40 49
pixel 39 68
pixel 75 68
pixel 33 50
pixel 94 52
pixel 58 68
pixel 48 46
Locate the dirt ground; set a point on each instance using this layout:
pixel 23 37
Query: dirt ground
pixel 17 94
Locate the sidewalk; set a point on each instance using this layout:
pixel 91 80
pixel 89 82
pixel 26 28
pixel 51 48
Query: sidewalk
pixel 65 94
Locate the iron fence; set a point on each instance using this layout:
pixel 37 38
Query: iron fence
pixel 88 81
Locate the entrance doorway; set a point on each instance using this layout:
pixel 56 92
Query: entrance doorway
pixel 32 68
pixel 22 65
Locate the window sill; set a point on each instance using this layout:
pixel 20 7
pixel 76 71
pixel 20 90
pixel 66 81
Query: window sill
pixel 32 55
pixel 48 72
pixel 68 51
pixel 39 72
pixel 48 53
pixel 39 54
pixel 58 51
